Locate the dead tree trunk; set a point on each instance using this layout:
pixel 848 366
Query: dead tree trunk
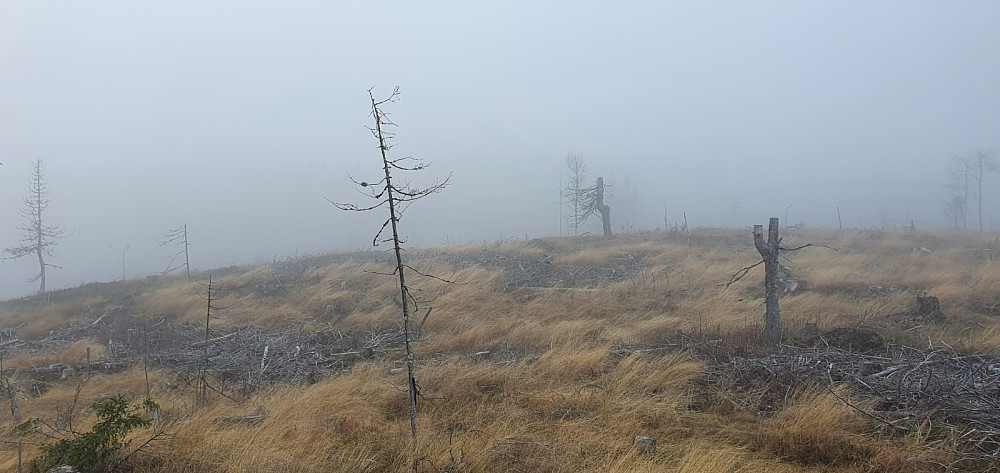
pixel 15 411
pixel 769 251
pixel 397 197
pixel 603 208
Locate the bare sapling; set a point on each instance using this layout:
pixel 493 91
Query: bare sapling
pixel 211 296
pixel 396 198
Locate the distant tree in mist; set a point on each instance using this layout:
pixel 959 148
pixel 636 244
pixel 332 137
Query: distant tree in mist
pixel 959 177
pixel 593 204
pixel 177 237
pixel 584 200
pixel 965 178
pixel 984 161
pixel 954 209
pixel 39 238
pixel 573 191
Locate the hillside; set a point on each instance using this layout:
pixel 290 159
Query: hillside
pixel 544 355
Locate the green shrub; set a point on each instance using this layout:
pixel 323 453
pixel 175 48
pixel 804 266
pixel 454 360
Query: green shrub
pixel 99 449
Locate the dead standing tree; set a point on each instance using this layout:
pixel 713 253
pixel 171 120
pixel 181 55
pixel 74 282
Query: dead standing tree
pixel 959 175
pixel 178 237
pixel 770 252
pixel 585 200
pixel 573 191
pixel 984 161
pixel 593 203
pixel 397 198
pixel 210 295
pixel 39 238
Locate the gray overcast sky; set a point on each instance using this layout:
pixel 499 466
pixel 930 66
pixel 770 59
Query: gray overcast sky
pixel 239 117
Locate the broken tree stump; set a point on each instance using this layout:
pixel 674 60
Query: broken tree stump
pixel 769 251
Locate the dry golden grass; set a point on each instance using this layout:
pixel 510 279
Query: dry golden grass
pixel 74 355
pixel 35 321
pixel 570 401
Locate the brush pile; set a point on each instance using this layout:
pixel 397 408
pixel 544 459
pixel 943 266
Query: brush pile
pixel 932 388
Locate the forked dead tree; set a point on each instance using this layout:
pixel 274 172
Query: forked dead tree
pixel 770 252
pixel 397 198
pixel 39 238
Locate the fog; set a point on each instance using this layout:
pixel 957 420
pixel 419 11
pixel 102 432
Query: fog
pixel 240 118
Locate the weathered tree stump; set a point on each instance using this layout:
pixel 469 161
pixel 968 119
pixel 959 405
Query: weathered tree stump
pixel 769 251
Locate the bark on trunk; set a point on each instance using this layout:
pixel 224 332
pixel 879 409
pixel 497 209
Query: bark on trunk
pixel 769 251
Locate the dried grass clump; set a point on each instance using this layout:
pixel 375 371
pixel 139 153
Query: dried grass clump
pixel 817 429
pixel 36 321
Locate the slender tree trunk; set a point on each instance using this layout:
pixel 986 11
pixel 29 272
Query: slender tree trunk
pixel 403 294
pixel 187 259
pixel 41 269
pixel 203 378
pixel 979 193
pixel 39 246
pixel 769 251
pixel 965 207
pixel 603 208
pixel 561 217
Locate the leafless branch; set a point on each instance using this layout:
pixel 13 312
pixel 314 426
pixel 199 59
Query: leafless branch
pixel 740 274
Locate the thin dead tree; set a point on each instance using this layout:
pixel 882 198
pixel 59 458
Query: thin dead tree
pixel 121 257
pixel 770 252
pixel 955 210
pixel 39 238
pixel 178 237
pixel 15 411
pixel 210 295
pixel 959 177
pixel 984 161
pixel 397 198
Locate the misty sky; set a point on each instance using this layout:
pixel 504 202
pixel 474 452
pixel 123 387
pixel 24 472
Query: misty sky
pixel 240 117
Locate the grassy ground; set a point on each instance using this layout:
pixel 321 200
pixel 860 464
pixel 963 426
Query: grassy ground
pixel 573 374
